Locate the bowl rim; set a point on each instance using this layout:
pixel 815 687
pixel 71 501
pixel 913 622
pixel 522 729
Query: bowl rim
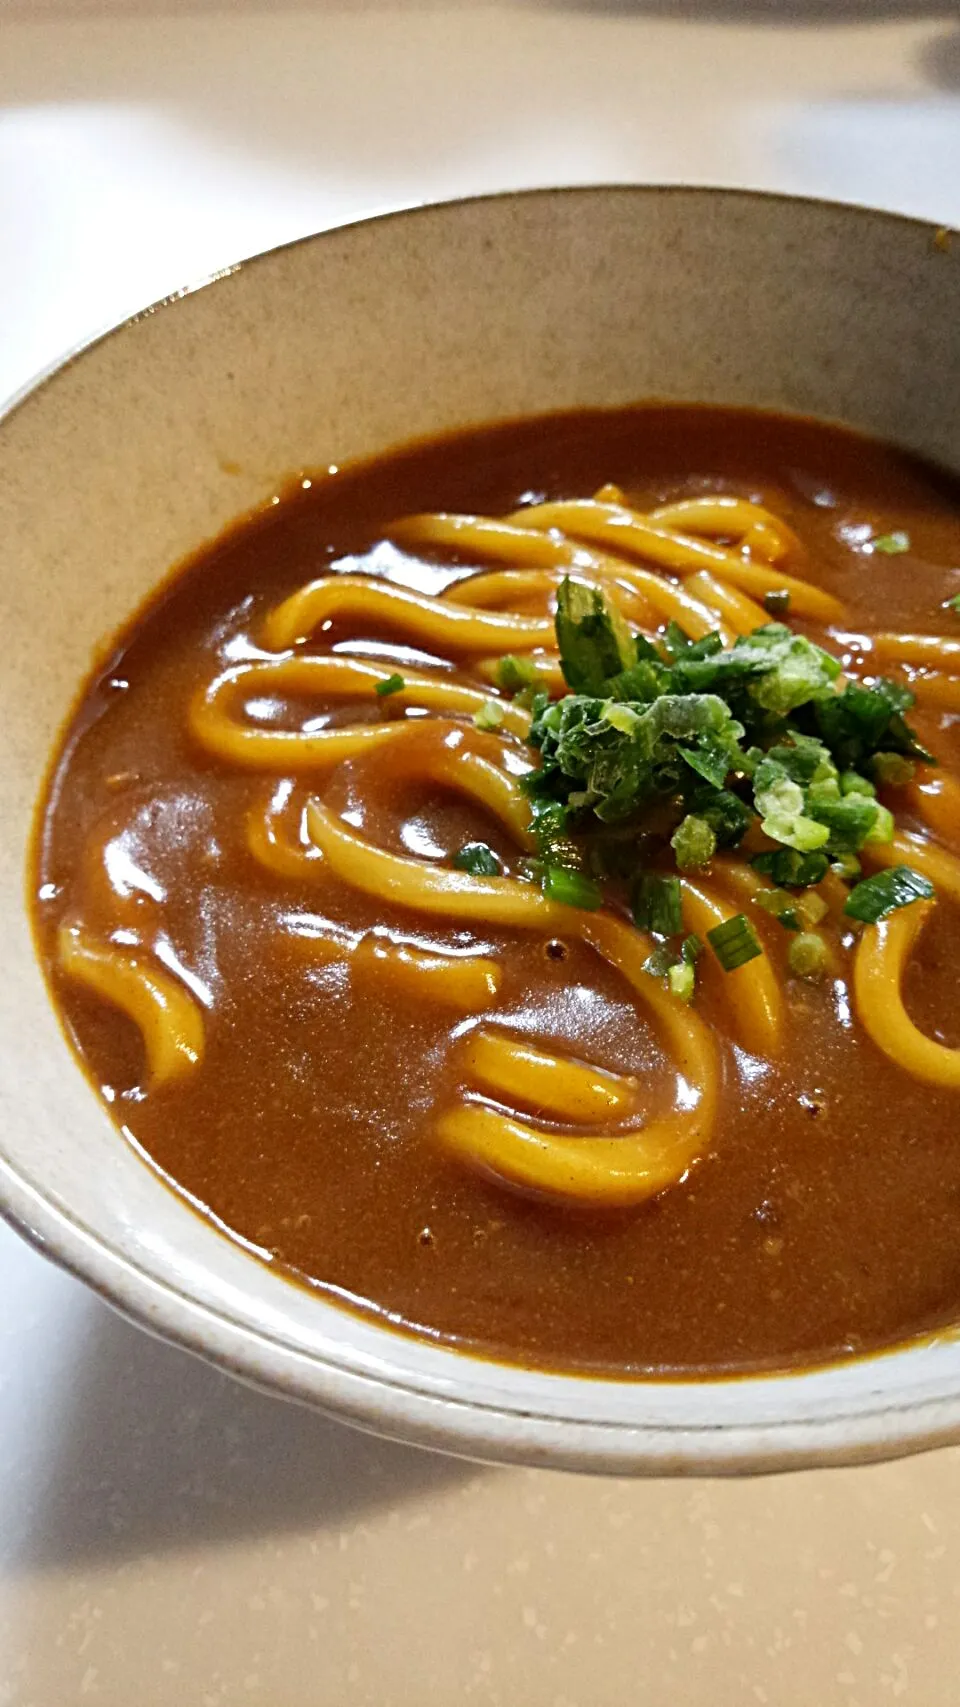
pixel 875 1428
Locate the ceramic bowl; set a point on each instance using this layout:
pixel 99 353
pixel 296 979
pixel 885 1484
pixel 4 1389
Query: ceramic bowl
pixel 150 440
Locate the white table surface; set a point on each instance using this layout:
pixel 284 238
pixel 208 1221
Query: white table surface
pixel 167 1537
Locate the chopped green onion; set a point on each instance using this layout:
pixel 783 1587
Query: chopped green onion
pixel 571 888
pixel 786 867
pixel 811 908
pixel 390 684
pixel 691 948
pixel 620 717
pixel 694 842
pixel 885 891
pixel 477 858
pixel 892 770
pixel 891 544
pixel 777 601
pixel 953 604
pixel 682 980
pixel 846 866
pixel 734 942
pixel 780 906
pixel 809 956
pixel 881 829
pixel 514 674
pixel 851 782
pixel 490 716
pixel 656 904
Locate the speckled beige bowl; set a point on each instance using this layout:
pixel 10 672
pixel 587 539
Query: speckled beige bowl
pixel 151 439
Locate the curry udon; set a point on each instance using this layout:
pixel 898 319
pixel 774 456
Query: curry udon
pixel 513 885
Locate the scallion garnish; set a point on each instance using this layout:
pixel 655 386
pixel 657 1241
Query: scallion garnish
pixel 809 956
pixel 514 674
pixel 490 715
pixel 390 684
pixel 479 859
pixel 953 604
pixel 885 891
pixel 570 888
pixel 734 942
pixel 891 544
pixel 694 842
pixel 656 904
pixel 892 770
pixel 682 980
pixel 691 948
pixel 788 868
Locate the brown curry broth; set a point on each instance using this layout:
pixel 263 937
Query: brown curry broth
pixel 826 1217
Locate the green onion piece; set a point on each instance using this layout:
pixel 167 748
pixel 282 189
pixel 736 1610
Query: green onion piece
pixel 571 888
pixel 620 717
pixel 851 782
pixel 656 904
pixel 477 858
pixel 892 770
pixel 658 963
pixel 682 980
pixel 777 601
pixel 734 942
pixel 811 908
pixel 881 829
pixel 390 684
pixel 953 604
pixel 514 674
pixel 787 867
pixel 490 715
pixel 847 866
pixel 693 842
pixel 809 956
pixel 891 544
pixel 780 906
pixel 691 948
pixel 885 891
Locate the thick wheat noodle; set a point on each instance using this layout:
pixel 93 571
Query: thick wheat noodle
pixel 434 753
pixel 752 992
pixel 935 650
pixel 213 719
pixel 624 531
pixel 735 609
pixel 934 688
pixel 167 1016
pixel 596 1168
pixel 881 961
pixel 592 1169
pixel 467 982
pixel 434 623
pixel 500 588
pixel 502 901
pixel 727 518
pixel 486 539
pixel 666 599
pixel 518 1071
